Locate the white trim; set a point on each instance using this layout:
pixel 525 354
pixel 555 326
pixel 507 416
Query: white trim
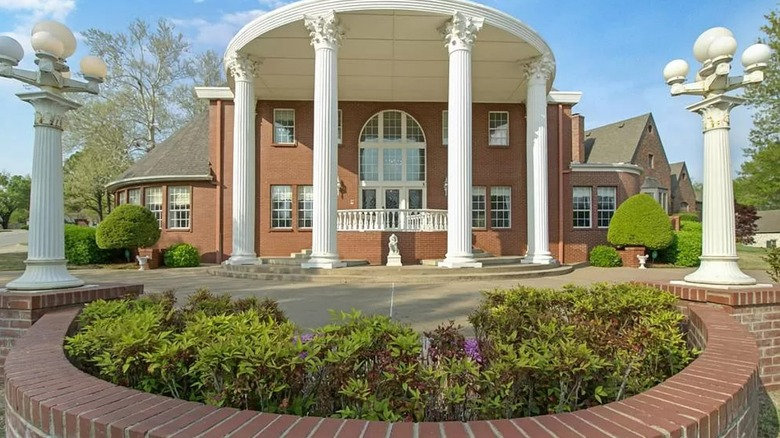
pixel 606 167
pixel 296 11
pixel 120 183
pixel 214 93
pixel 564 97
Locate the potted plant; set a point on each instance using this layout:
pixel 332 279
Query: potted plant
pixel 639 224
pixel 132 227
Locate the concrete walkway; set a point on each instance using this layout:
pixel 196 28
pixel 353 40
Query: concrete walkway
pixel 424 306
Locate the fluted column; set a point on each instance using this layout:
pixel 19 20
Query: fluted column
pixel 46 264
pixel 719 250
pixel 537 74
pixel 243 70
pixel 460 34
pixel 326 34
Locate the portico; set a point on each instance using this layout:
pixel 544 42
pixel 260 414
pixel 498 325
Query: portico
pixel 393 52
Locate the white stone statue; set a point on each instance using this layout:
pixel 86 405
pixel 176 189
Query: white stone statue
pixel 393 244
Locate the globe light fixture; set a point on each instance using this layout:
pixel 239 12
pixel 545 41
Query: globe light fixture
pixel 715 49
pixel 53 43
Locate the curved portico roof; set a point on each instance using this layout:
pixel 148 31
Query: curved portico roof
pixel 392 51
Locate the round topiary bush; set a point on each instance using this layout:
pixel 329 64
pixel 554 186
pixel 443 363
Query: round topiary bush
pixel 605 256
pixel 640 221
pixel 128 226
pixel 82 249
pixel 182 255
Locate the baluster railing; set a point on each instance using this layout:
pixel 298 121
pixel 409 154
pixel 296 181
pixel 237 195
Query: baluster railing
pixel 391 220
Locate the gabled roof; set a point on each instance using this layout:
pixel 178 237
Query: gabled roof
pixel 183 155
pixel 616 142
pixel 676 170
pixel 768 221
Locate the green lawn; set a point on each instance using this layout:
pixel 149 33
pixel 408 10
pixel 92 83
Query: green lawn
pixel 750 258
pixel 13 261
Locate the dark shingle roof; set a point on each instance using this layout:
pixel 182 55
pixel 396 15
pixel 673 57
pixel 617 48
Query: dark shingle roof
pixel 616 142
pixel 185 153
pixel 676 170
pixel 768 221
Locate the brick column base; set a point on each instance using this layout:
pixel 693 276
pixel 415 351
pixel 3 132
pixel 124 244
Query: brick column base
pixel 20 310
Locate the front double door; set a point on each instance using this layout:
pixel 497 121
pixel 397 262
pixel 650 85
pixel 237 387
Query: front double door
pixel 392 199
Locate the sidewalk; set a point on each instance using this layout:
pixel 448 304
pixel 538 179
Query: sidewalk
pixel 424 306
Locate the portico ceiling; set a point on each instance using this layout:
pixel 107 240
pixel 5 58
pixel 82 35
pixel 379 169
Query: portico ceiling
pixel 391 51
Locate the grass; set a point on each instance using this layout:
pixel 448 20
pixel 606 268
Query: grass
pixel 750 258
pixel 14 261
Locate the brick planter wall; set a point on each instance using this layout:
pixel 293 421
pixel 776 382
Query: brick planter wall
pixel 628 255
pixel 716 396
pixel 758 309
pixel 20 310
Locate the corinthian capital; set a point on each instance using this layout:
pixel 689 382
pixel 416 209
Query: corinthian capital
pixel 460 31
pixel 539 69
pixel 242 67
pixel 325 30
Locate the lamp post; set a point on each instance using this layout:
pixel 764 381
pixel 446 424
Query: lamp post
pixel 53 43
pixel 715 49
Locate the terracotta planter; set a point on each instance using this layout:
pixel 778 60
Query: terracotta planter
pixel 629 253
pixel 155 257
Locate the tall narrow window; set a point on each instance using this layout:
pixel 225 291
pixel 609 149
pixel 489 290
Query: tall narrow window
pixel 121 197
pixel 281 207
pixel 154 202
pixel 178 207
pixel 651 160
pixel 445 131
pixel 500 207
pixel 340 129
pixel 606 202
pixel 498 124
pixel 134 196
pixel 284 126
pixel 305 206
pixel 478 204
pixel 415 164
pixel 581 207
pixel 369 164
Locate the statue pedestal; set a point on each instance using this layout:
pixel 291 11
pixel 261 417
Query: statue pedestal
pixel 394 260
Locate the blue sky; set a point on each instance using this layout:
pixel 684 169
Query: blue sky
pixel 612 51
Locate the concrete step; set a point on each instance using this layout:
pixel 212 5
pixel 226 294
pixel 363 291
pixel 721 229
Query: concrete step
pixel 488 260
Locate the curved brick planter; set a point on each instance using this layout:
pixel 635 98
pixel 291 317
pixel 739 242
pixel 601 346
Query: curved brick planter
pixel 716 396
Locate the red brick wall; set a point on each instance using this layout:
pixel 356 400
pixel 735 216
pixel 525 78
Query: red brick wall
pixel 414 247
pixel 650 143
pixel 578 138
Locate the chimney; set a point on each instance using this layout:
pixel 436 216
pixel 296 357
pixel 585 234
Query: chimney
pixel 578 138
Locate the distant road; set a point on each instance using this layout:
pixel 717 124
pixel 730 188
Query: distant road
pixel 13 241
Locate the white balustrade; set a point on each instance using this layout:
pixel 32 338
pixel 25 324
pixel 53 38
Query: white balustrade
pixel 391 220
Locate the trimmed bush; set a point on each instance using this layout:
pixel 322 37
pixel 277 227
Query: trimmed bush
pixel 605 257
pixel 128 226
pixel 182 255
pixel 640 221
pixel 691 217
pixel 685 249
pixel 82 249
pixel 691 226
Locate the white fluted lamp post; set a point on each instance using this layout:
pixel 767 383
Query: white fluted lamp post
pixel 715 49
pixel 53 43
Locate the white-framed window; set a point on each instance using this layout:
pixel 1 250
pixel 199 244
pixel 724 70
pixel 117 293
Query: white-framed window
pixel 178 207
pixel 341 127
pixel 498 128
pixel 581 207
pixel 134 196
pixel 281 206
pixel 305 206
pixel 153 200
pixel 500 207
pixel 445 130
pixel 284 126
pixel 606 202
pixel 478 207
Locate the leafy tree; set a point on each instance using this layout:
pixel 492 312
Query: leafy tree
pixel 640 221
pixel 14 195
pixel 759 182
pixel 745 221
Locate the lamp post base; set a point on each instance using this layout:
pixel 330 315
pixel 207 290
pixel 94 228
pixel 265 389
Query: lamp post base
pixel 720 270
pixel 43 274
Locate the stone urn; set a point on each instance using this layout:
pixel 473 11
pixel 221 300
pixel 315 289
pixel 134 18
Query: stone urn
pixel 143 262
pixel 642 260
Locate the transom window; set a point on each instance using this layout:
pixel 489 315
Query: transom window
pixel 284 126
pixel 607 201
pixel 500 207
pixel 178 207
pixel 281 206
pixel 581 207
pixel 498 125
pixel 392 162
pixel 154 202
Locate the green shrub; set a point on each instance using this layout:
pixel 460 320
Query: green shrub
pixel 537 351
pixel 685 249
pixel 128 226
pixel 772 258
pixel 82 249
pixel 692 226
pixel 182 255
pixel 691 217
pixel 640 221
pixel 605 257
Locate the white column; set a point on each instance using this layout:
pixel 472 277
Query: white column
pixel 326 34
pixel 243 70
pixel 537 74
pixel 46 245
pixel 719 249
pixel 460 34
